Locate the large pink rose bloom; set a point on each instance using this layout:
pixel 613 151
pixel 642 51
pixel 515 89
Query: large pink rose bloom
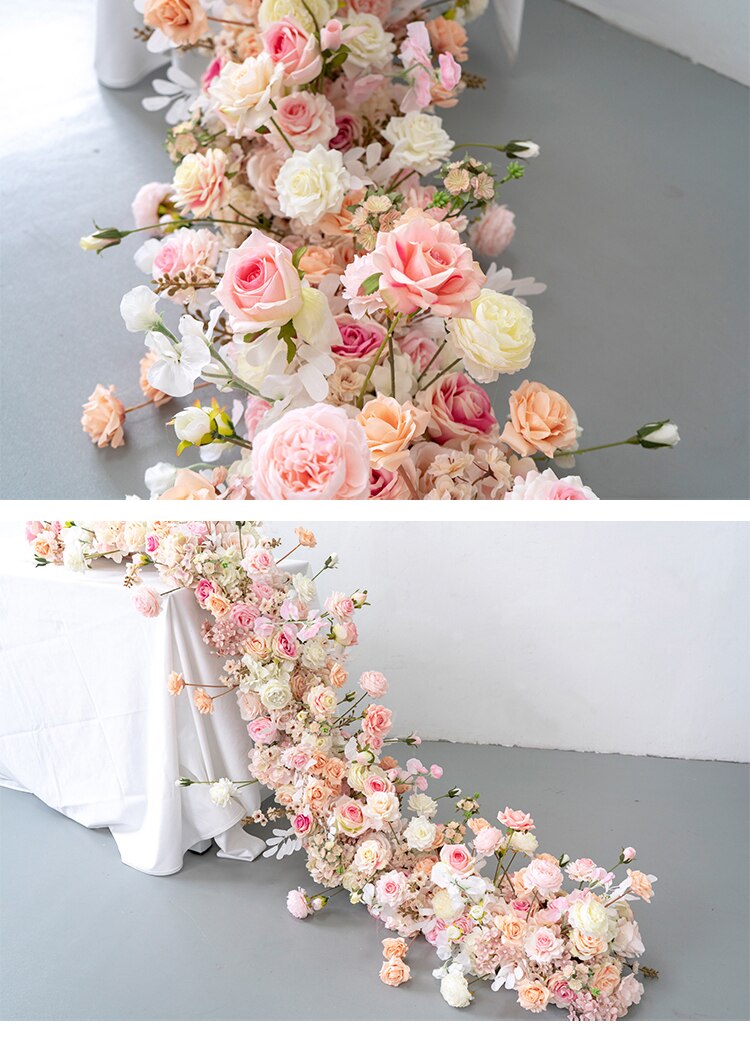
pixel 315 453
pixel 360 338
pixel 147 201
pixel 546 485
pixel 288 44
pixel 424 264
pixel 458 408
pixel 260 287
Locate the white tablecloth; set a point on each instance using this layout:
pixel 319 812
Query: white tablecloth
pixel 88 726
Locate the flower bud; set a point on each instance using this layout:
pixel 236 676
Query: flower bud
pixel 658 434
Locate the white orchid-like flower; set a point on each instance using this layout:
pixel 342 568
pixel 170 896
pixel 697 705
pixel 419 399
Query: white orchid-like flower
pixel 181 363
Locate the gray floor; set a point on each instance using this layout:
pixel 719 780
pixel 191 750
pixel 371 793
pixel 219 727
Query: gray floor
pixel 84 937
pixel 636 215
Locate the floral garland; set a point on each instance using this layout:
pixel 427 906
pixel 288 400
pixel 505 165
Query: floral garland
pixel 364 820
pixel 321 273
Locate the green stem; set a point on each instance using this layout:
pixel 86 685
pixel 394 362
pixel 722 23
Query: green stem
pixel 633 441
pixel 376 358
pixel 441 374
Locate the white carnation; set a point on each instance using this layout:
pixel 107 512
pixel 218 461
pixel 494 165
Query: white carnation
pixel 312 184
pixel 221 792
pixel 499 339
pixel 304 587
pixel 419 141
pixel 373 47
pixel 455 989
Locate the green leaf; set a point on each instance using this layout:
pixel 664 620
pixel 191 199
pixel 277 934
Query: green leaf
pixel 371 284
pixel 297 255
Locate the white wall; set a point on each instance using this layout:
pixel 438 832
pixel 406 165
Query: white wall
pixel 624 637
pixel 711 32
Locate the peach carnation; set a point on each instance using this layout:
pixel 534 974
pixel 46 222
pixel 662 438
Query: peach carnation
pixel 448 35
pixel 103 417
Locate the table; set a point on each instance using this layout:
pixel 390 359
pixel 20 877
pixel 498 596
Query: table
pixel 89 727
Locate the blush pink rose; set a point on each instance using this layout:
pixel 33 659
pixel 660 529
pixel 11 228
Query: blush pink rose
pixel 297 51
pixel 374 684
pixel 380 8
pixel 457 857
pixel 148 199
pixel 296 903
pixel 193 252
pixel 255 410
pixel 546 485
pixel 314 453
pixel 544 875
pixel 493 232
pixel 147 601
pixel 285 643
pixel 541 420
pixel 360 338
pixel 260 287
pixel 263 168
pixel 263 730
pixel 515 820
pixel 487 840
pixel 388 485
pixel 458 408
pixel 244 615
pixel 204 589
pixel 377 721
pixel 348 130
pixel 424 264
pixel 305 119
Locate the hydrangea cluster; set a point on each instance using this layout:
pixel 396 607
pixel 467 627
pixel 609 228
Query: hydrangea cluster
pixel 318 237
pixel 493 907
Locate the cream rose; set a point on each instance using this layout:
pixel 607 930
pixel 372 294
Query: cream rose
pixel 419 141
pixel 420 834
pixel 589 915
pixel 243 93
pixel 372 47
pixel 499 338
pixel 199 182
pixel 306 13
pixel 312 184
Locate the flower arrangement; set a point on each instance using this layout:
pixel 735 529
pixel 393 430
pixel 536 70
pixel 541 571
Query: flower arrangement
pixel 494 908
pixel 312 239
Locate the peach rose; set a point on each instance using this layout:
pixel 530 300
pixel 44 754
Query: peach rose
pixel 511 928
pixel 314 453
pixel 533 996
pixel 317 261
pixel 338 676
pixel 606 978
pixel 394 972
pixel 203 702
pixel 587 946
pixel 390 428
pixel 200 182
pixel 183 21
pixel 448 35
pixel 540 420
pixel 190 486
pixel 424 264
pixel 260 287
pixel 305 537
pixel 394 948
pixel 175 684
pixel 217 605
pixel 640 885
pixel 104 416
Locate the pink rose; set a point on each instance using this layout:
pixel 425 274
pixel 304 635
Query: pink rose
pixel 360 338
pixel 457 857
pixel 544 875
pixel 377 721
pixel 255 410
pixel 348 130
pixel 263 730
pixel 380 8
pixel 212 71
pixel 260 287
pixel 285 643
pixel 314 453
pixel 487 840
pixel 260 560
pixel 263 168
pixel 339 605
pixel 297 51
pixel 424 264
pixel 350 817
pixel 301 824
pixel 296 903
pixel 388 485
pixel 147 601
pixel 391 888
pixel 374 684
pixel 515 820
pixel 152 543
pixel 305 119
pixel 420 349
pixel 628 855
pixel 148 200
pixel 458 408
pixel 494 230
pixel 546 485
pixel 203 589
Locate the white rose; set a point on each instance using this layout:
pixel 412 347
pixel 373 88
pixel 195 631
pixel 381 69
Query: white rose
pixel 138 309
pixel 667 434
pixel 455 989
pixel 371 48
pixel 243 93
pixel 627 941
pixel 383 806
pixel 589 916
pixel 304 587
pixel 419 141
pixel 371 855
pixel 525 149
pixel 191 424
pixel 499 339
pixel 423 805
pixel 160 477
pixel 314 322
pixel 314 655
pixel 312 184
pixel 420 834
pixel 305 14
pixel 523 842
pixel 275 694
pixel 221 792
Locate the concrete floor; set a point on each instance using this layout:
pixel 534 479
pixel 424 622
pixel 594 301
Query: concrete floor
pixel 636 215
pixel 84 937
